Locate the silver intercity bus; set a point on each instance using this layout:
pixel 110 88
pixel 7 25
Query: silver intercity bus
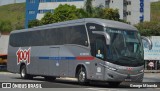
pixel 86 49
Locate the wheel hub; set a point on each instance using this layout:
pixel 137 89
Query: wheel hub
pixel 23 73
pixel 82 76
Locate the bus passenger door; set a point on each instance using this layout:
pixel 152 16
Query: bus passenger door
pixel 99 51
pixel 54 61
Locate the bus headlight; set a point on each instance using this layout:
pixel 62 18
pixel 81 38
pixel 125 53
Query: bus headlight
pixel 112 69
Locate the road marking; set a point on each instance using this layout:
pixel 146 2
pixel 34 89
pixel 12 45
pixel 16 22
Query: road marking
pixel 95 89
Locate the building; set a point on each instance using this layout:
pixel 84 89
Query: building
pixel 133 11
pixel 35 9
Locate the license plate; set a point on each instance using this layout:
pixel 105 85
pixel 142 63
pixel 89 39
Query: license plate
pixel 128 80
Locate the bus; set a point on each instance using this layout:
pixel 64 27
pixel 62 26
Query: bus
pixel 89 49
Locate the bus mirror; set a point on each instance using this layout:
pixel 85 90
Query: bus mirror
pixel 146 42
pixel 106 35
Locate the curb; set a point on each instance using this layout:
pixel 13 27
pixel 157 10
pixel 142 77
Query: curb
pixel 66 78
pixel 6 73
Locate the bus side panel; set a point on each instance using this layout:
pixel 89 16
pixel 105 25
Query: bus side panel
pixel 63 63
pixel 53 64
pixel 81 55
pixel 93 67
pixel 42 61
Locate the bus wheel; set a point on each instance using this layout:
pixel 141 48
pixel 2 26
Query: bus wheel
pixel 82 76
pixel 49 78
pixel 114 84
pixel 23 72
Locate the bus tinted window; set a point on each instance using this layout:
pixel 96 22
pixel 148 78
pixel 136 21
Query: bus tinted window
pixel 56 36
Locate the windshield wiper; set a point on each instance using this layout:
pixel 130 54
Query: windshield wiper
pixel 128 58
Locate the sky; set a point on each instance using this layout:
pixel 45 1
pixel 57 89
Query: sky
pixel 4 2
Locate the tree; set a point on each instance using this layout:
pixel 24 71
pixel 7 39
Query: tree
pixel 101 12
pixel 98 12
pixel 47 19
pixel 34 23
pixel 149 28
pixel 65 12
pixel 70 12
pixel 89 7
pixel 81 13
pixel 111 14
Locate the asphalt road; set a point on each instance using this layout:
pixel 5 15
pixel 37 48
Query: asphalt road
pixel 69 84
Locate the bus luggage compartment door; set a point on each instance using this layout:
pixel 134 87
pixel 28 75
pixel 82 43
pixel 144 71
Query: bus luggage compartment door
pixel 54 61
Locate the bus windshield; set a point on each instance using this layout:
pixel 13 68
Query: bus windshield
pixel 125 48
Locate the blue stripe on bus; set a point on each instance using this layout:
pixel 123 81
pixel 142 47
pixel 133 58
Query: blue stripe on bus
pixel 57 58
pixel 68 58
pixel 43 57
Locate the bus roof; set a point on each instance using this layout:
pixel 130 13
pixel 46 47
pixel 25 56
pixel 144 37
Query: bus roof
pixel 103 22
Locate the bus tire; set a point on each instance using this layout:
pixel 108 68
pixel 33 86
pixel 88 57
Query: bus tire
pixel 23 72
pixel 49 78
pixel 82 76
pixel 114 84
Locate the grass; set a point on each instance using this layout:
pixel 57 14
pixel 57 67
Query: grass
pixel 155 11
pixel 15 13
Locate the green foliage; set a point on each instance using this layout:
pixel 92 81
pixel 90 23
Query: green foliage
pixel 14 13
pixel 101 12
pixel 111 14
pixel 81 13
pixel 34 23
pixel 64 13
pixel 124 21
pixel 70 12
pixel 149 28
pixel 155 11
pixel 47 19
pixel 5 26
pixel 105 13
pixel 98 12
pixel 89 7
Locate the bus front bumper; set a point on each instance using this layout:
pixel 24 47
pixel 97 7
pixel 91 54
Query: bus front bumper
pixel 119 77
